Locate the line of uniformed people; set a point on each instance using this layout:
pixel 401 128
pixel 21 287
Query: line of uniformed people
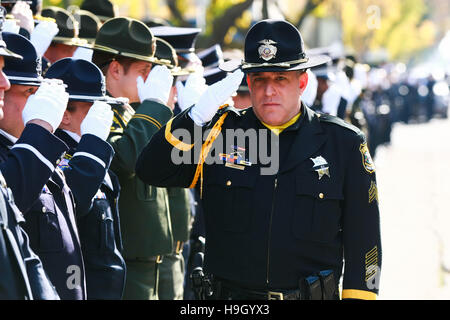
pixel 69 223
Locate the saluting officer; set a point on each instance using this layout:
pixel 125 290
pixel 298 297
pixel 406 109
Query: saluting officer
pixel 23 276
pixel 84 128
pixel 50 220
pixel 275 231
pixel 124 50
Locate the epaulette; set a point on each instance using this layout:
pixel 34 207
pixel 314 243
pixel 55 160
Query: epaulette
pixel 122 115
pixel 323 117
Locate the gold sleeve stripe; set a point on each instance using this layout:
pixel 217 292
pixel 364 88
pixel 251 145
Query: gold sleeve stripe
pixel 358 294
pixel 119 117
pixel 174 141
pixel 149 119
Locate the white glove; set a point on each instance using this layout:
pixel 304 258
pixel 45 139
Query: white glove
pixel 83 53
pixel 157 86
pixel 22 12
pixel 47 104
pixel 42 36
pixel 310 93
pixel 10 25
pixel 214 97
pixel 98 120
pixel 190 93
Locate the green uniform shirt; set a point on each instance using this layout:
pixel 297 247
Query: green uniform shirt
pixel 144 209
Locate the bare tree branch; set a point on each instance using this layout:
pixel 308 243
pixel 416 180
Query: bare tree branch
pixel 222 24
pixel 310 6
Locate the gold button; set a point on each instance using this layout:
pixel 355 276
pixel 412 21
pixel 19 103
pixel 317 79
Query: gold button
pixel 228 183
pixel 321 195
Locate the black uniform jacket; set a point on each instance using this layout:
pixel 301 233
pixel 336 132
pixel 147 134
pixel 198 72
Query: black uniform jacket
pixel 96 190
pixel 23 275
pixel 269 230
pixel 48 211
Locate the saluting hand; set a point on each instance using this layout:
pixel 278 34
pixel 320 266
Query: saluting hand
pixel 98 120
pixel 157 85
pixel 42 36
pixel 47 104
pixel 214 97
pixel 189 94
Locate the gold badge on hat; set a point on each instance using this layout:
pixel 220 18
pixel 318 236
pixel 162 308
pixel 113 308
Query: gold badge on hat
pixel 321 166
pixel 267 50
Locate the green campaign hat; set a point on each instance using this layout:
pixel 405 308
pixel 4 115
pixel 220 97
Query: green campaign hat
pixel 67 24
pixel 166 55
pixel 126 37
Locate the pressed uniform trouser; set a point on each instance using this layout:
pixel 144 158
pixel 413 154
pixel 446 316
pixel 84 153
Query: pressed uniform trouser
pixel 171 277
pixel 141 280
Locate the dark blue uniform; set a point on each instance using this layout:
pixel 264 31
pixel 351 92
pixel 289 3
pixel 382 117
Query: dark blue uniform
pixel 96 191
pixel 271 232
pixel 50 221
pixel 23 275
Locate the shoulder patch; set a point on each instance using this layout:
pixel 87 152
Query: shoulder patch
pixel 366 158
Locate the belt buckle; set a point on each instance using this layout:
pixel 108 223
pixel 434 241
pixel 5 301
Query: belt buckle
pixel 275 295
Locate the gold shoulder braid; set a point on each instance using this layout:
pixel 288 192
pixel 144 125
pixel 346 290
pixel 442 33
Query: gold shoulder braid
pixel 215 131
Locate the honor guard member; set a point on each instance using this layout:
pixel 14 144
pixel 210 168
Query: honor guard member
pixel 66 41
pixel 23 275
pixel 84 128
pixel 124 50
pixel 103 9
pixel 50 220
pixel 172 267
pixel 280 230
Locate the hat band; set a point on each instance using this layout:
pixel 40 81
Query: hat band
pixel 15 78
pixel 286 64
pixel 81 97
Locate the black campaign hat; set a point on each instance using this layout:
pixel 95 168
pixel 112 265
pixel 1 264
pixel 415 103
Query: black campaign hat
pixel 274 45
pixel 103 9
pixel 28 71
pixel 67 24
pixel 84 80
pixel 89 24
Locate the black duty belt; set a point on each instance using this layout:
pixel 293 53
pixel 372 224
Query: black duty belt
pixel 318 287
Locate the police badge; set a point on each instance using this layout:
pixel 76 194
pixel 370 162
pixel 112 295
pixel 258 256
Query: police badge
pixel 266 50
pixel 321 166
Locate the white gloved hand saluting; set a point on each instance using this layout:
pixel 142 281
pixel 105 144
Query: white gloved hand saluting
pixel 214 97
pixel 98 120
pixel 47 104
pixel 190 93
pixel 42 36
pixel 22 12
pixel 157 86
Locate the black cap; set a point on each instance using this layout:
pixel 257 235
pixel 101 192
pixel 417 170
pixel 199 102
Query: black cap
pixel 181 39
pixel 211 57
pixel 214 75
pixel 67 24
pixel 89 24
pixel 28 71
pixel 84 80
pixel 274 45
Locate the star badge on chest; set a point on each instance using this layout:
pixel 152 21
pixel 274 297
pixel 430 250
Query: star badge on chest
pixel 321 166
